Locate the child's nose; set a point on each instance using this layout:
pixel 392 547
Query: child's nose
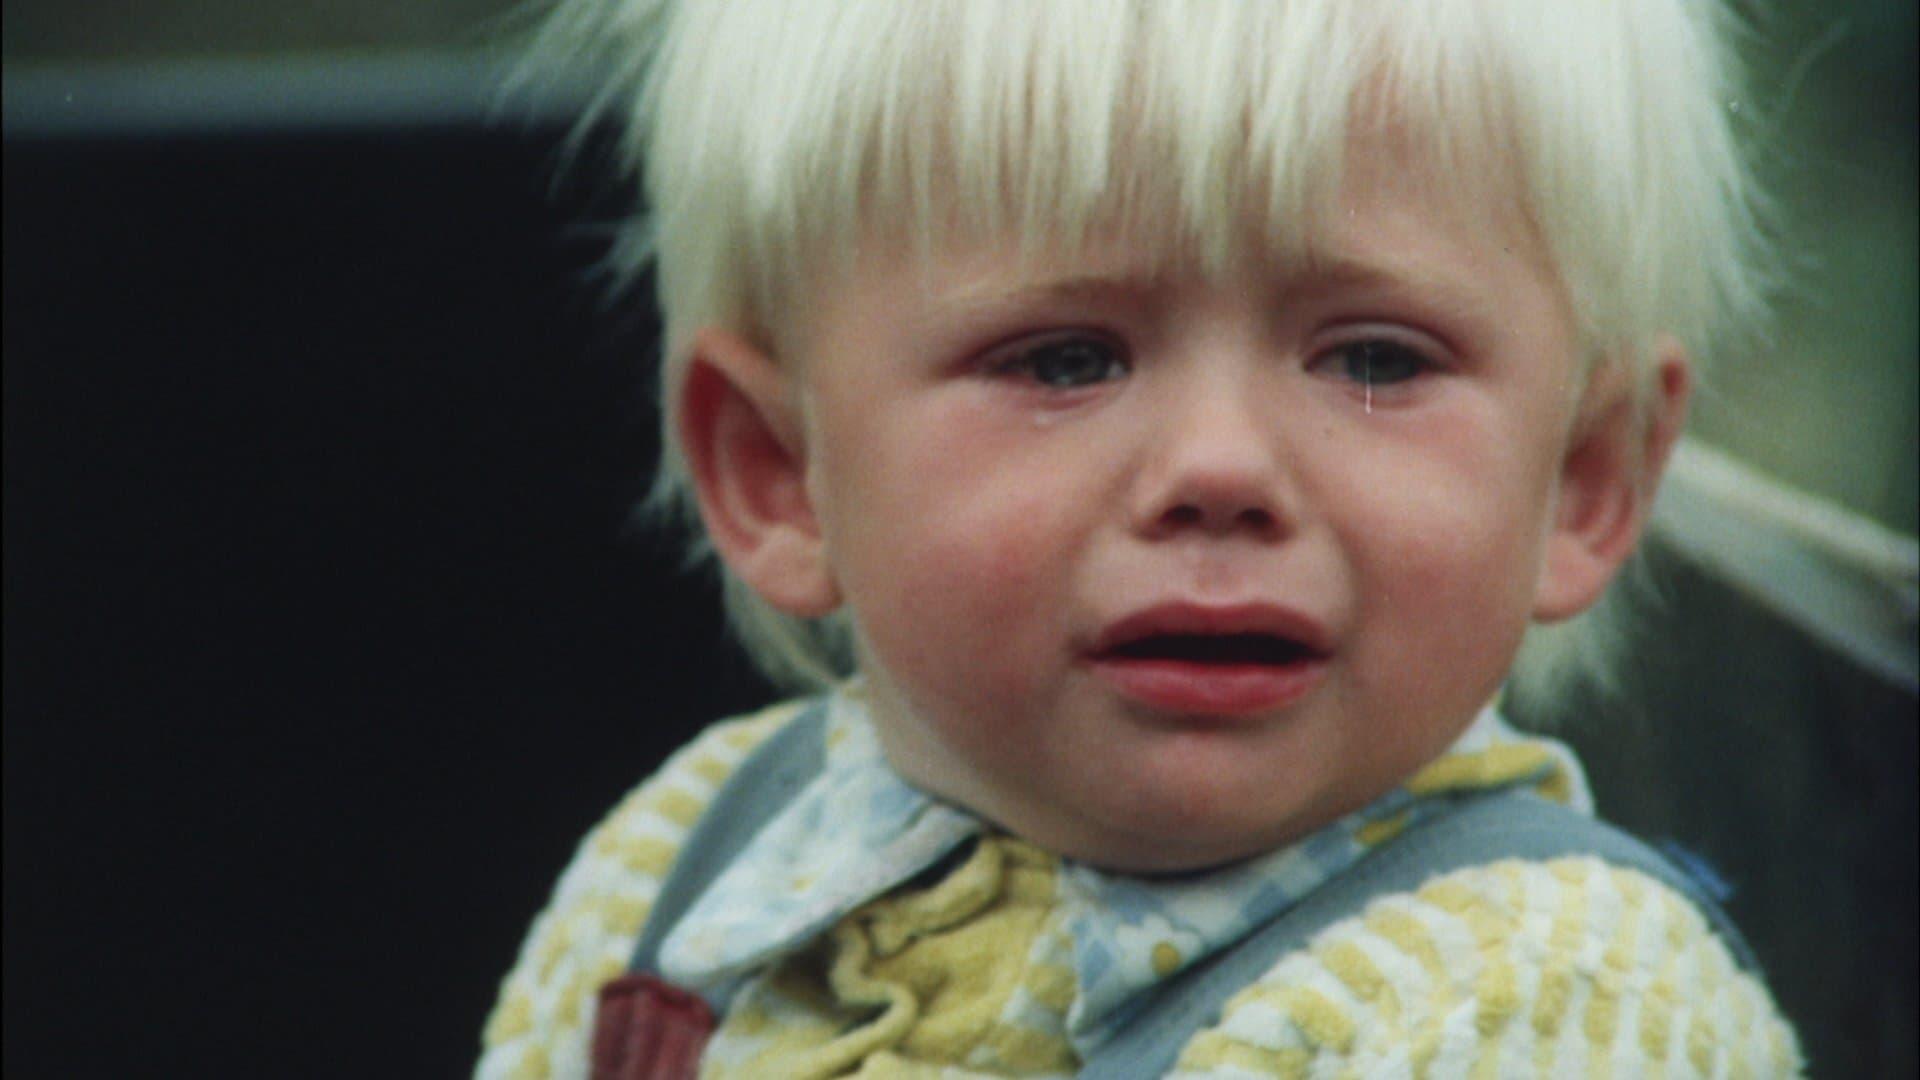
pixel 1213 467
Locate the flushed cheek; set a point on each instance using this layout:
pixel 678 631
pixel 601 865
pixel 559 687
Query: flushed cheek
pixel 979 572
pixel 1442 554
pixel 1454 570
pixel 959 654
pixel 1450 500
pixel 979 518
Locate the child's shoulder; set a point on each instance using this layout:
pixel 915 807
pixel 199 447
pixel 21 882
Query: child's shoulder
pixel 587 932
pixel 1569 966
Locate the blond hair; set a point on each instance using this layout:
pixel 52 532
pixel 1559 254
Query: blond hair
pixel 774 136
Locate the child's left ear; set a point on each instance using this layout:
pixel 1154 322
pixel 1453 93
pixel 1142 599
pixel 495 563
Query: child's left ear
pixel 1619 449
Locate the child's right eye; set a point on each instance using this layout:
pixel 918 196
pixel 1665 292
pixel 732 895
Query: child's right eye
pixel 1064 362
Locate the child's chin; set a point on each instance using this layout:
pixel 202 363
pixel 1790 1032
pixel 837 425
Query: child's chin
pixel 1176 844
pixel 1187 857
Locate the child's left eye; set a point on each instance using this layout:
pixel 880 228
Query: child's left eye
pixel 1065 363
pixel 1376 362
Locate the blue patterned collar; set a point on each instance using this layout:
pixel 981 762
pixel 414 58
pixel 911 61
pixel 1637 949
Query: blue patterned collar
pixel 858 831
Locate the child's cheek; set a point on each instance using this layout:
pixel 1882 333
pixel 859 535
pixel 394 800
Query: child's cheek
pixel 1449 579
pixel 975 600
pixel 991 560
pixel 989 527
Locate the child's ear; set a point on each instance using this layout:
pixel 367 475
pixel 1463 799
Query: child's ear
pixel 1619 449
pixel 741 433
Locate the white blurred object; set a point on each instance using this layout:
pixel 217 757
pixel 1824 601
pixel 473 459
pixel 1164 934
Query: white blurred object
pixel 1850 583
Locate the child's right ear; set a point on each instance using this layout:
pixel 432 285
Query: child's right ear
pixel 741 433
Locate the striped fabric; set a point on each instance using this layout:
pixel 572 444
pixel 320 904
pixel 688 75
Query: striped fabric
pixel 1515 969
pixel 544 1017
pixel 1564 968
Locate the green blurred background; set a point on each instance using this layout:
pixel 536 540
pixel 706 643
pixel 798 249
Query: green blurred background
pixel 1831 406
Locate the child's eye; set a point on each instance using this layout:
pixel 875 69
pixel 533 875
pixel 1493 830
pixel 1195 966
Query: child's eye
pixel 1065 363
pixel 1376 362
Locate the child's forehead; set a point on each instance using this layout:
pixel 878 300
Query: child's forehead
pixel 1390 227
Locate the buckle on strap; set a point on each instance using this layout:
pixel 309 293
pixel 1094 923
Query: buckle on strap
pixel 649 1029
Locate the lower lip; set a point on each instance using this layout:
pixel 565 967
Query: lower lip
pixel 1227 690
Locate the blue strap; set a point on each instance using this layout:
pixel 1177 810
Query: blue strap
pixel 1483 830
pixel 770 777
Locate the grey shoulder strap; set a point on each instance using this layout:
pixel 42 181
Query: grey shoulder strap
pixel 1484 830
pixel 772 774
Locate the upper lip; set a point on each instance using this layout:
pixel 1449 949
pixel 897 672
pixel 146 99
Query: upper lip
pixel 1190 618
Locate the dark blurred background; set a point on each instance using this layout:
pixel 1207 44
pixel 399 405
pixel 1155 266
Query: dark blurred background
pixel 326 634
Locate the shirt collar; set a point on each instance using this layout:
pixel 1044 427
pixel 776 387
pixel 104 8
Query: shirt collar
pixel 858 831
pixel 853 833
pixel 1130 933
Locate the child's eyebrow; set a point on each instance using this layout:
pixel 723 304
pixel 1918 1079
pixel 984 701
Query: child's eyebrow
pixel 1393 275
pixel 988 295
pixel 1370 271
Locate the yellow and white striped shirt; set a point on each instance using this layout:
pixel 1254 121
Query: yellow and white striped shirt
pixel 1566 967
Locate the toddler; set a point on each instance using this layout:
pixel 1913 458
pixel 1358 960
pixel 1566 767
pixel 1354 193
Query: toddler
pixel 1148 430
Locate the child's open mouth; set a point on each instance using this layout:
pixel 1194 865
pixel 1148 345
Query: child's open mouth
pixel 1220 649
pixel 1176 661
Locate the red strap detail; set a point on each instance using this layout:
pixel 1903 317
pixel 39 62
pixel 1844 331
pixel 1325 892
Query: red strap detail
pixel 647 1029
